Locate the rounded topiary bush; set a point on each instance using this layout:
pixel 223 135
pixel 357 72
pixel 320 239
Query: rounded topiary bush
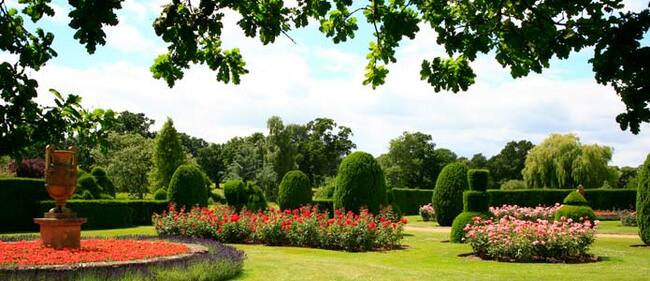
pixel 448 195
pixel 643 201
pixel 255 199
pixel 160 194
pixel 87 182
pixel 102 179
pixel 459 223
pixel 235 193
pixel 187 187
pixel 477 179
pixel 576 208
pixel 295 190
pixel 360 183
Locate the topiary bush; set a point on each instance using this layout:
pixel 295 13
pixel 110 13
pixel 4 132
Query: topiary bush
pixel 643 201
pixel 448 195
pixel 86 182
pixel 187 187
pixel 255 199
pixel 295 190
pixel 476 201
pixel 459 223
pixel 360 183
pixel 160 194
pixel 477 179
pixel 235 193
pixel 576 208
pixel 103 181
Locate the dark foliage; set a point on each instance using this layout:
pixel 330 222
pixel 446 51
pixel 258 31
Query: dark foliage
pixel 295 190
pixel 448 196
pixel 360 183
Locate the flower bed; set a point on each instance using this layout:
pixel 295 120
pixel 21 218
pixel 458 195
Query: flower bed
pixel 511 239
pixel 606 215
pixel 33 253
pixel 427 213
pixel 303 227
pixel 525 213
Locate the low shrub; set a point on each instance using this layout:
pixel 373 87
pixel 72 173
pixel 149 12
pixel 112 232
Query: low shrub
pixel 628 217
pixel 187 187
pixel 295 190
pixel 29 168
pixel 87 182
pixel 427 212
pixel 160 194
pixel 576 213
pixel 525 213
pixel 304 227
pixel 102 179
pixel 461 221
pixel 509 239
pixel 102 214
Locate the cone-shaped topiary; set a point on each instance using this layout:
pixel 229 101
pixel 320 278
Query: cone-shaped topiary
pixel 295 190
pixel 360 183
pixel 448 196
pixel 103 181
pixel 187 187
pixel 643 201
pixel 576 208
pixel 477 179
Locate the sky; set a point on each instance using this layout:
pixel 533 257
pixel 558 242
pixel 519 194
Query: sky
pixel 316 78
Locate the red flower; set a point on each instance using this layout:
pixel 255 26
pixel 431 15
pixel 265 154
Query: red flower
pixel 372 225
pixel 234 218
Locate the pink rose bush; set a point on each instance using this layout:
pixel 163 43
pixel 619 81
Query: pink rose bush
pixel 512 239
pixel 427 213
pixel 303 227
pixel 525 213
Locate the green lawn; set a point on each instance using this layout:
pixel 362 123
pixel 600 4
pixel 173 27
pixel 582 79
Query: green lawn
pixel 427 257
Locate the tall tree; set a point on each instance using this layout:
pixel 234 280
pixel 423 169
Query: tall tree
pixel 509 163
pixel 168 154
pixel 523 36
pixel 280 151
pixel 561 161
pixel 192 144
pixel 210 159
pixel 478 161
pixel 133 123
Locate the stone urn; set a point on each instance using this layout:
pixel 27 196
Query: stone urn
pixel 60 176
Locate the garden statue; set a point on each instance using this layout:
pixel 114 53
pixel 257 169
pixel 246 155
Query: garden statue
pixel 60 227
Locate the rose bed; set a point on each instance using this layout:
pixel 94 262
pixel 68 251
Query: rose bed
pixel 28 254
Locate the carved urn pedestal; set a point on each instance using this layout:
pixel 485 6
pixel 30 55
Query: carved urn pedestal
pixel 60 227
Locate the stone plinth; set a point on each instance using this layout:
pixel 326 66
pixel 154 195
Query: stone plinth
pixel 59 233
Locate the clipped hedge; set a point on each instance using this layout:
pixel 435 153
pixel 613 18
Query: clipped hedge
pixel 19 200
pixel 295 190
pixel 360 184
pixel 102 214
pixel 476 201
pixel 324 204
pixel 643 202
pixel 478 179
pixel 447 198
pixel 409 200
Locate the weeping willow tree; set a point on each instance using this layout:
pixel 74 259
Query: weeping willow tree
pixel 561 161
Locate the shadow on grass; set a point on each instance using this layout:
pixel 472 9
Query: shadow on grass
pixel 581 260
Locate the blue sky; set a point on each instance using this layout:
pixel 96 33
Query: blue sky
pixel 317 78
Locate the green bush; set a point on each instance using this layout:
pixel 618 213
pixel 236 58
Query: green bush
pixel 103 214
pixel 643 201
pixel 409 200
pixel 87 182
pixel 360 183
pixel 218 197
pixel 513 185
pixel 235 193
pixel 255 200
pixel 295 190
pixel 476 201
pixel 104 182
pixel 326 190
pixel 448 195
pixel 187 187
pixel 160 194
pixel 458 226
pixel 600 199
pixel 19 200
pixel 575 213
pixel 575 199
pixel 477 179
pixel 324 204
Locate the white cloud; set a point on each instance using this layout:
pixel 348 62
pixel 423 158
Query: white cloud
pixel 127 38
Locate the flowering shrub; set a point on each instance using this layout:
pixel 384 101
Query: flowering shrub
pixel 511 239
pixel 427 213
pixel 628 217
pixel 606 215
pixel 303 227
pixel 525 213
pixel 29 253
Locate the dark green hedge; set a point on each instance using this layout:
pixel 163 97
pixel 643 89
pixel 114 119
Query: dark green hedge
pixel 103 214
pixel 409 200
pixel 18 198
pixel 476 201
pixel 324 204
